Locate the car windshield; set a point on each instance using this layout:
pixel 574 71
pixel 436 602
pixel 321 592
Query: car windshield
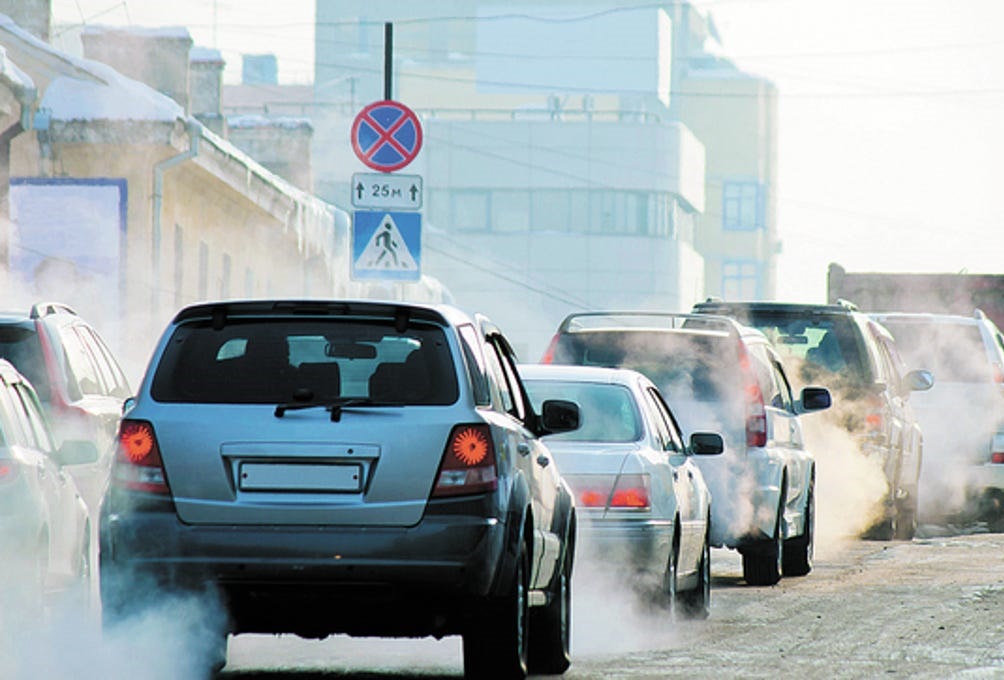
pixel 281 361
pixel 953 352
pixel 607 412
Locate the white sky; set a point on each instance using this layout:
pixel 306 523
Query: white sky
pixel 891 135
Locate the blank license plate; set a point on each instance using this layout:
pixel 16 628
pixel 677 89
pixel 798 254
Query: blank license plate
pixel 299 477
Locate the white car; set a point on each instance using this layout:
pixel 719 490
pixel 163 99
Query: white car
pixel 962 415
pixel 638 492
pixel 720 376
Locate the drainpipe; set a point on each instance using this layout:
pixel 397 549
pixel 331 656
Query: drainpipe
pixel 26 96
pixel 194 135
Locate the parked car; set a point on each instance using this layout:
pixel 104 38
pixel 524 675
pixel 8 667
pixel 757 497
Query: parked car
pixel 352 467
pixel 855 357
pixel 639 496
pixel 962 415
pixel 44 523
pixel 720 376
pixel 79 381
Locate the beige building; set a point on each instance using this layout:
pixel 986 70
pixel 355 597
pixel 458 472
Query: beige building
pixel 122 204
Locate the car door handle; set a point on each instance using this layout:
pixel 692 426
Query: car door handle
pixel 543 461
pixel 523 448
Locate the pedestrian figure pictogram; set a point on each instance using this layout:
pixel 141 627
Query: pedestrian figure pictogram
pixel 386 245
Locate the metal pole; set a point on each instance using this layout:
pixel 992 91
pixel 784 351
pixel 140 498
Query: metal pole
pixel 388 58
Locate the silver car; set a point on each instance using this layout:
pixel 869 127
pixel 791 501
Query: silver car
pixel 348 467
pixel 720 376
pixel 45 528
pixel 961 416
pixel 638 493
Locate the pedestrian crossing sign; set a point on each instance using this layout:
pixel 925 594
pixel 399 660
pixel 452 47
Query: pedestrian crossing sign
pixel 386 245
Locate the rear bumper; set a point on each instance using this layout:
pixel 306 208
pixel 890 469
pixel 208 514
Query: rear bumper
pixel 312 581
pixel 643 544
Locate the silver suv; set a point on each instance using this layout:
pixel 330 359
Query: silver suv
pixel 346 467
pixel 720 376
pixel 962 415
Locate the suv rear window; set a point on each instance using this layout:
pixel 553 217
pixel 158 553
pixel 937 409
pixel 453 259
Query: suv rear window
pixel 270 361
pixel 21 347
pixel 953 352
pixel 694 365
pixel 814 341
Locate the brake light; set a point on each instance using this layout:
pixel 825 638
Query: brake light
pixel 997 457
pixel 601 491
pixel 138 465
pixel 756 412
pixel 548 357
pixel 468 465
pixel 998 374
pixel 875 416
pixel 9 471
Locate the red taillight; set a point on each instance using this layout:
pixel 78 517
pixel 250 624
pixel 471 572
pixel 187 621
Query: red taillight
pixel 997 457
pixel 468 465
pixel 756 412
pixel 998 374
pixel 548 357
pixel 601 491
pixel 875 416
pixel 9 471
pixel 137 459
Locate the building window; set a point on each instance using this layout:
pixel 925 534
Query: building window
pixel 510 211
pixel 225 277
pixel 740 280
pixel 742 206
pixel 550 210
pixel 203 270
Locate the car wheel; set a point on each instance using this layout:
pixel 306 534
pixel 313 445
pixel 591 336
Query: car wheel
pixel 496 644
pixel 762 560
pixel 798 551
pixel 696 603
pixel 906 519
pixel 551 625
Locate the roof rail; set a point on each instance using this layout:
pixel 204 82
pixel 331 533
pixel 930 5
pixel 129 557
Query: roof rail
pixel 40 309
pixel 847 304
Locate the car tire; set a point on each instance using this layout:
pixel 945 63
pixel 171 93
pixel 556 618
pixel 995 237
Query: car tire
pixel 551 625
pixel 496 644
pixel 798 551
pixel 906 519
pixel 696 603
pixel 762 560
pixel 667 595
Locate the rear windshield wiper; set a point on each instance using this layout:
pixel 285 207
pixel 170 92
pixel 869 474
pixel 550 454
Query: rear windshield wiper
pixel 334 406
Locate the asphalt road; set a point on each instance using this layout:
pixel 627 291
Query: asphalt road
pixel 928 608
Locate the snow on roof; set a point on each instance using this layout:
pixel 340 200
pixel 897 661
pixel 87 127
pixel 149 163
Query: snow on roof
pixel 255 121
pixel 178 32
pixel 205 54
pixel 104 95
pixel 12 74
pixel 117 98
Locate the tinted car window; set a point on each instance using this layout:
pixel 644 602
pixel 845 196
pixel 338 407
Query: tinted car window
pixel 270 362
pixel 20 346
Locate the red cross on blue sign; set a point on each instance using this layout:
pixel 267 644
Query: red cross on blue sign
pixel 386 135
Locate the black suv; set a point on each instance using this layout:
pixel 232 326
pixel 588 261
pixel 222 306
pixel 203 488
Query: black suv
pixel 79 381
pixel 844 349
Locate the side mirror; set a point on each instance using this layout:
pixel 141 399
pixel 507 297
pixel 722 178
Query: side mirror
pixel 706 444
pixel 559 415
pixel 919 380
pixel 814 399
pixel 76 452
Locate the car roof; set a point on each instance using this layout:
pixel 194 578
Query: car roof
pixel 221 309
pixel 9 373
pixel 619 376
pixel 929 317
pixel 727 307
pixel 623 320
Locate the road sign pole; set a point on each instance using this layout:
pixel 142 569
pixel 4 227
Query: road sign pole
pixel 388 59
